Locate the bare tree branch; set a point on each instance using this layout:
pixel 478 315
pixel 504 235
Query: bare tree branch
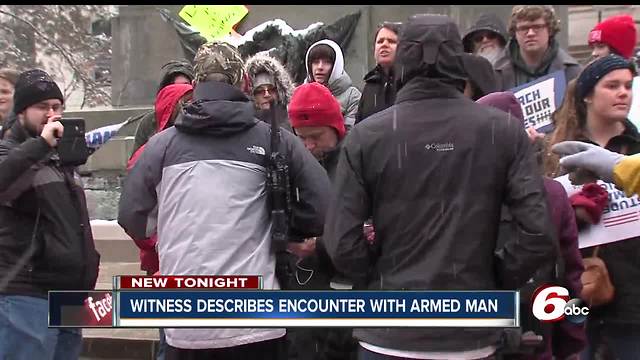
pixel 89 85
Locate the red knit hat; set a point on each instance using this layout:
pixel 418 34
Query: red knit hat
pixel 619 32
pixel 313 105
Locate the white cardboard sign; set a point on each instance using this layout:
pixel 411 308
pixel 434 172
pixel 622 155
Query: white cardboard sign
pixel 620 219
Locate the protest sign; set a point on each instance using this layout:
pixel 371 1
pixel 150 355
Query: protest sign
pixel 213 21
pixel 620 219
pixel 95 138
pixel 539 99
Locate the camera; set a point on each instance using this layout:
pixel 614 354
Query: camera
pixel 72 147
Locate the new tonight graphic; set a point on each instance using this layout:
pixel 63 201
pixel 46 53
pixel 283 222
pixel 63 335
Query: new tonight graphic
pixel 316 308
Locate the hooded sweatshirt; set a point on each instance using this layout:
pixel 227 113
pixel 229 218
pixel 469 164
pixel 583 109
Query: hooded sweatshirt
pixel 166 101
pixel 490 22
pixel 339 83
pixel 147 121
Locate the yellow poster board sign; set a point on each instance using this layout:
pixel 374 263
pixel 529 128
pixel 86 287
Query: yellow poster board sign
pixel 213 21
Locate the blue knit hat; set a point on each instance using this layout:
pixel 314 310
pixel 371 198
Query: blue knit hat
pixel 597 70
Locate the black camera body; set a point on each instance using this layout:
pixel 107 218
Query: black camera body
pixel 72 146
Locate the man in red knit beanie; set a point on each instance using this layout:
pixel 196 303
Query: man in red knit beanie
pixel 316 118
pixel 616 34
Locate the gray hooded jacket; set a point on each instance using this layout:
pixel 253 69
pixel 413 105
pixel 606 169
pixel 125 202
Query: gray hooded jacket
pixel 201 185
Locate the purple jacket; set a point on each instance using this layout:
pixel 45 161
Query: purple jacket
pixel 567 338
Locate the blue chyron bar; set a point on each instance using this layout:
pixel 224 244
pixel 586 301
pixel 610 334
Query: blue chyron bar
pixel 221 308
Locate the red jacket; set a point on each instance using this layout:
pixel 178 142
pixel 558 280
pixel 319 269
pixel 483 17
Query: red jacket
pixel 166 101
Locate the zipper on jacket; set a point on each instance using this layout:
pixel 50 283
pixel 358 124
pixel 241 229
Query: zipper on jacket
pixel 81 231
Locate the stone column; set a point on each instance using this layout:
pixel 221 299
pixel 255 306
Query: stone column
pixel 142 42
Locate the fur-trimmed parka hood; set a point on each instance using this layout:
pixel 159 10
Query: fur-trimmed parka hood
pixel 260 63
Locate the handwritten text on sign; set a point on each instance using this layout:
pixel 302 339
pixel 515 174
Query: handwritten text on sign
pixel 213 21
pixel 620 219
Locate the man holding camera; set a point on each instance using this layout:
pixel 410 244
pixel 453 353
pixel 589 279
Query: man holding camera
pixel 45 236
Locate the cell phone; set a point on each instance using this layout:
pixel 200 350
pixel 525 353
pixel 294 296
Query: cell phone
pixel 72 147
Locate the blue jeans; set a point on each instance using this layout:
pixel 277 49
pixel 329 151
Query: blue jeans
pixel 24 332
pixel 162 346
pixel 614 341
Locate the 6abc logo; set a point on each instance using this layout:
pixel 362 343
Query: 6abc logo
pixel 551 303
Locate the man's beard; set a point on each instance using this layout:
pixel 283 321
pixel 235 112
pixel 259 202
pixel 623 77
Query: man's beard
pixel 31 130
pixel 492 54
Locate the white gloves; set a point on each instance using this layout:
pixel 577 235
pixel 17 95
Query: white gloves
pixel 581 155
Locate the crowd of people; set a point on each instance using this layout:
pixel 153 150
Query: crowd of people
pixel 425 179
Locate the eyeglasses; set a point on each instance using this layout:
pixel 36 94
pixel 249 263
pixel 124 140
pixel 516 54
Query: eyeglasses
pixel 263 89
pixel 524 29
pixel 479 36
pixel 43 106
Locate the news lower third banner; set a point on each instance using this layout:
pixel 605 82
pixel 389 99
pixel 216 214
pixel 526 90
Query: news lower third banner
pixel 250 308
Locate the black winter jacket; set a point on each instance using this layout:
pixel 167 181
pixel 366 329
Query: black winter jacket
pixel 434 181
pixel 41 200
pixel 378 94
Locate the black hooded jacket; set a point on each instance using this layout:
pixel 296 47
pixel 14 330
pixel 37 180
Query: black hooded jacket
pixel 481 76
pixel 490 22
pixel 414 168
